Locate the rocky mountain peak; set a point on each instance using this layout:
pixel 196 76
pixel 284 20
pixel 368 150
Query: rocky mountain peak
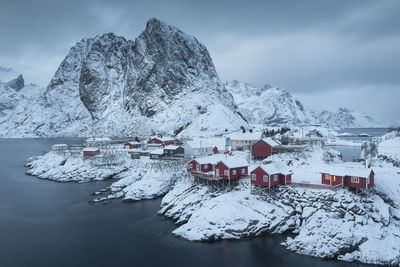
pixel 167 62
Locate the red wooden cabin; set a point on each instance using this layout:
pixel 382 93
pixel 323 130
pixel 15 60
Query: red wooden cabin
pixel 204 164
pixel 231 168
pixel 132 145
pixel 264 148
pixel 160 142
pixel 269 176
pixel 90 152
pixel 350 177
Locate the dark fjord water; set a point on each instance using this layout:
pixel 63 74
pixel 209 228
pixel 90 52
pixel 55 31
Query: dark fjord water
pixel 351 152
pixel 45 223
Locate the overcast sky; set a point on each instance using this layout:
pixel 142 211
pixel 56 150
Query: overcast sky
pixel 327 53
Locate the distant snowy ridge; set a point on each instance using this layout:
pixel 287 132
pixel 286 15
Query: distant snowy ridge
pixel 164 80
pixel 272 105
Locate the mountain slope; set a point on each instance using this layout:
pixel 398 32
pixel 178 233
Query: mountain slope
pixel 163 81
pixel 271 105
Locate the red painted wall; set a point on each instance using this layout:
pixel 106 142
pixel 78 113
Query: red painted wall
pixel 154 141
pixel 222 167
pixel 131 146
pixel 282 179
pixel 91 153
pixel 338 180
pixel 194 165
pixel 261 150
pixel 371 179
pixel 259 178
pixel 206 167
pixel 362 182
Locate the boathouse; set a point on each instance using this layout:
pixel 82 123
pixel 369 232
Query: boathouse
pixel 269 176
pixel 362 178
pixel 90 152
pixel 204 164
pixel 264 148
pixel 157 142
pixel 231 168
pixel 132 145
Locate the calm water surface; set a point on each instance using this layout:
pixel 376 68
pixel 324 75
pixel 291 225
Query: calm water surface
pixel 45 223
pixel 351 152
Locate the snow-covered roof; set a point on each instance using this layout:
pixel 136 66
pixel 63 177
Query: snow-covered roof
pixel 347 171
pixel 98 139
pixel 171 147
pixel 157 151
pixel 270 169
pixel 245 136
pixel 133 143
pixel 271 142
pixel 234 162
pixel 90 149
pixel 163 139
pixel 213 159
pixel 199 143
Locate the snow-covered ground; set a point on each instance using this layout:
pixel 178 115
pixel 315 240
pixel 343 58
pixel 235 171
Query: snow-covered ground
pixel 324 223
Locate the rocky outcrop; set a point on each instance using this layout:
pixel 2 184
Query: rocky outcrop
pixel 17 83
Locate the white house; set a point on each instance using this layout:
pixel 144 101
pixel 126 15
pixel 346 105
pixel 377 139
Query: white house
pixel 198 147
pixel 243 141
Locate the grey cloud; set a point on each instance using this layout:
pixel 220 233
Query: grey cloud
pixel 307 47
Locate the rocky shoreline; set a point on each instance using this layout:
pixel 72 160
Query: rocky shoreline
pixel 342 224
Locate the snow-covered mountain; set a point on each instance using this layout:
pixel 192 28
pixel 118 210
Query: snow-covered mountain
pixel 271 105
pixel 268 104
pixel 164 80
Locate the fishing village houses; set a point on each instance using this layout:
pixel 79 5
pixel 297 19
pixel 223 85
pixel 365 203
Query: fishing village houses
pixel 224 160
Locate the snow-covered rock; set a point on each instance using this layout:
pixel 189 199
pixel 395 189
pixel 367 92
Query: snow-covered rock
pixel 272 105
pixel 165 80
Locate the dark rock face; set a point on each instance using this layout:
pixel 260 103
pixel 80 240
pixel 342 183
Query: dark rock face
pixel 165 62
pixel 142 76
pixel 103 73
pixel 17 83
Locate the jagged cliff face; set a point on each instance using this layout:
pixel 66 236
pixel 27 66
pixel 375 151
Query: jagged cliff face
pixel 103 74
pixel 163 81
pixel 165 63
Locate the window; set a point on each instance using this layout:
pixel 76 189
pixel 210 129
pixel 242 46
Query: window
pixel 355 179
pixel 217 172
pixel 205 167
pixel 234 172
pixel 226 172
pixel 275 177
pixel 253 177
pixel 198 167
pixel 333 178
pixel 243 170
pixel 327 177
pixel 190 166
pixel 265 178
